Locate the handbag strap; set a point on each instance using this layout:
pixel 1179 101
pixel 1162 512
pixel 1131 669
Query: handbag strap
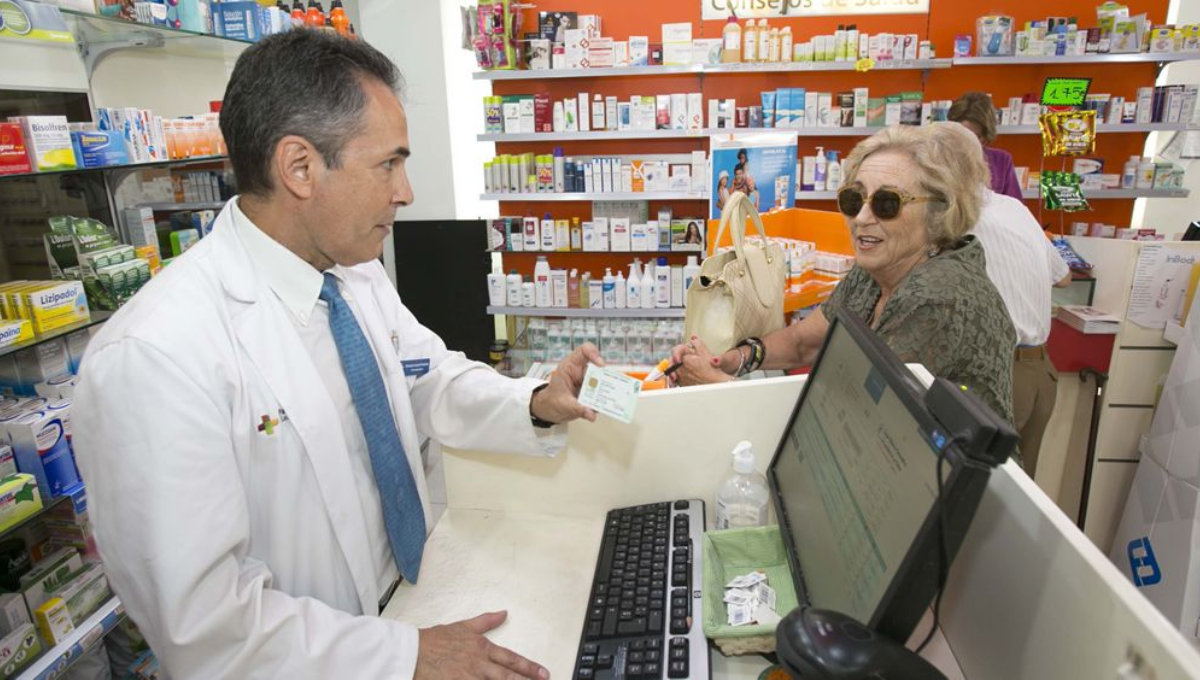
pixel 736 208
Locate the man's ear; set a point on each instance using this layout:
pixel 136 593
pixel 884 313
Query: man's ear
pixel 297 164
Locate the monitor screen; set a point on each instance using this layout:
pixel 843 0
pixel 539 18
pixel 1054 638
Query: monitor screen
pixel 855 476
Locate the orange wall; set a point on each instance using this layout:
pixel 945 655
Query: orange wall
pixel 946 19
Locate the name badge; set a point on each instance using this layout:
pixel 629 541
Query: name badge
pixel 415 368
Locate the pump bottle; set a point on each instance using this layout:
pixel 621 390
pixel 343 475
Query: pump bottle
pixel 742 497
pixel 731 49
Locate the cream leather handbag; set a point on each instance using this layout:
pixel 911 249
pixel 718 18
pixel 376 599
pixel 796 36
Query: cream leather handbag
pixel 738 294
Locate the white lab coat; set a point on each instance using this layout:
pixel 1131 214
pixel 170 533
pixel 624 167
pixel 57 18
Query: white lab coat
pixel 223 540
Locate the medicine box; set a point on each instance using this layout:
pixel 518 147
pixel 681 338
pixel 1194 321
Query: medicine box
pixel 22 370
pixel 99 149
pixel 8 462
pixel 83 592
pixel 57 305
pixel 15 332
pixel 14 615
pixel 47 142
pixel 53 621
pixel 18 649
pixel 47 574
pixel 39 440
pixel 19 499
pixel 14 158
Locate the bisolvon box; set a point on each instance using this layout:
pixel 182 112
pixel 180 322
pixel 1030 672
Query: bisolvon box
pixel 39 441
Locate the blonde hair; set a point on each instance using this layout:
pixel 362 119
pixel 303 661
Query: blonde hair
pixel 950 168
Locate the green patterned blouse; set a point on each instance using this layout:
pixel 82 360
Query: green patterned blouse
pixel 946 315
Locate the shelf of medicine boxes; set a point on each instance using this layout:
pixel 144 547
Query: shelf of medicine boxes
pixel 1103 194
pixel 51 505
pixel 603 135
pixel 610 196
pixel 98 35
pixel 1134 58
pixel 55 660
pixel 554 312
pixel 126 166
pixel 776 67
pixel 201 205
pixel 96 317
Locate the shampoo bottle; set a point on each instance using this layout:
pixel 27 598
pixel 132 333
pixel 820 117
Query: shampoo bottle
pixel 513 289
pixel 750 42
pixel 633 287
pixel 609 290
pixel 649 287
pixel 547 234
pixel 731 47
pixel 662 284
pixel 541 283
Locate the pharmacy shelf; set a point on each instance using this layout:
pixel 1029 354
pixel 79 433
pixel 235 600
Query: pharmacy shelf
pixel 125 167
pixel 1101 127
pixel 54 661
pixel 54 503
pixel 97 317
pixel 197 205
pixel 816 195
pixel 1135 58
pixel 780 67
pixel 663 253
pixel 1173 333
pixel 554 312
pixel 635 196
pixel 98 35
pixel 1102 194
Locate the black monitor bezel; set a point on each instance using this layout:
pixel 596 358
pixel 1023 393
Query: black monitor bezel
pixel 914 585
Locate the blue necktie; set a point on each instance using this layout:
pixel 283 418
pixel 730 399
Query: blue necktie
pixel 402 512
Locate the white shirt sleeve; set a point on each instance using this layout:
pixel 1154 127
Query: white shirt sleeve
pixel 1058 266
pixel 173 526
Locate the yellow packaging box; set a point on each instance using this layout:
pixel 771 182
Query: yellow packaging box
pixel 19 498
pixel 18 649
pixel 16 297
pixel 6 310
pixel 53 621
pixel 14 332
pixel 56 305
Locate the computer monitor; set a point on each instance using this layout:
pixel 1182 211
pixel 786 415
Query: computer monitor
pixel 855 487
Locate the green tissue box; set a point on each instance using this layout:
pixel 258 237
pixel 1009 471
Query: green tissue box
pixel 734 552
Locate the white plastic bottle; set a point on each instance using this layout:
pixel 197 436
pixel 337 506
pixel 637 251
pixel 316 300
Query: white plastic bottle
pixel 633 287
pixel 690 271
pixel 621 289
pixel 496 289
pixel 649 287
pixel 742 496
pixel 1129 173
pixel 662 284
pixel 541 282
pixel 532 234
pixel 596 294
pixel 819 170
pixel 731 37
pixel 559 117
pixel 785 44
pixel 549 243
pixel 528 295
pixel 513 289
pixel 1145 174
pixel 764 40
pixel 833 173
pixel 609 290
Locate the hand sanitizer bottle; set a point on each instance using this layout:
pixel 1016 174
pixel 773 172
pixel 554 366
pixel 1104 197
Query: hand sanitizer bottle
pixel 742 496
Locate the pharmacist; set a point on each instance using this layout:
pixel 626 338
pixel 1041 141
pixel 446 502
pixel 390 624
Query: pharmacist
pixel 248 425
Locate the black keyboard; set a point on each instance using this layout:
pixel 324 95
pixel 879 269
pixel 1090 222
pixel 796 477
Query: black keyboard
pixel 643 618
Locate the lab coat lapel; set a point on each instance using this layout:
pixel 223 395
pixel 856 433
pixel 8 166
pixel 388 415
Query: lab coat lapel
pixel 270 341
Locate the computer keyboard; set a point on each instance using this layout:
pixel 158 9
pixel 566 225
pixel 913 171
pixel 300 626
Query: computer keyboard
pixel 643 617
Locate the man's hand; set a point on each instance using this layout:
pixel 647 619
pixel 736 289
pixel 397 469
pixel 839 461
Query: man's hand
pixel 559 402
pixel 460 650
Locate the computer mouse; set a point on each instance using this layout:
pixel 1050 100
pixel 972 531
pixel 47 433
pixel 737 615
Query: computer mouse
pixel 819 643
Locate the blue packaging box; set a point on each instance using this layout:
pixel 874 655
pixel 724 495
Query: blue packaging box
pixel 239 20
pixel 98 149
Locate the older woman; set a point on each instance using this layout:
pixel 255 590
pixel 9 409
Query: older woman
pixel 974 110
pixel 910 197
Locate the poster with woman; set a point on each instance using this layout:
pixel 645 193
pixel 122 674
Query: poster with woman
pixel 762 166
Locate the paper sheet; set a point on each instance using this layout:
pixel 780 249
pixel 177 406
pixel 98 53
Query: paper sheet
pixel 1159 285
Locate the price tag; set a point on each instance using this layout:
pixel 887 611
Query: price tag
pixel 1065 91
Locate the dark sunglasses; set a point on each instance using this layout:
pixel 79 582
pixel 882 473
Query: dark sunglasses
pixel 885 203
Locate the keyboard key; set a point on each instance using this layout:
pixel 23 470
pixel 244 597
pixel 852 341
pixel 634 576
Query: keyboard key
pixel 637 645
pixel 679 613
pixel 593 629
pixel 679 579
pixel 586 674
pixel 653 655
pixel 597 614
pixel 679 642
pixel 610 622
pixel 682 505
pixel 632 627
pixel 654 643
pixel 587 661
pixel 655 621
pixel 640 611
pixel 653 670
pixel 626 614
pixel 679 626
pixel 677 669
pixel 637 657
pixel 604 661
pixel 679 654
pixel 634 670
pixel 591 648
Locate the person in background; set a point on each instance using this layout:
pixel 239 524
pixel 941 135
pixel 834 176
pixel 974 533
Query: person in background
pixel 722 189
pixel 910 197
pixel 975 112
pixel 1023 265
pixel 249 425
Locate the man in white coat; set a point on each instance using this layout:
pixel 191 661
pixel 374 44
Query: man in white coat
pixel 248 425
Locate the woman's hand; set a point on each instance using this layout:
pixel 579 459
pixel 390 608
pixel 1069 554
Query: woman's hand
pixel 698 365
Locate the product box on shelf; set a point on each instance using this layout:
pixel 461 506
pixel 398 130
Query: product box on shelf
pixel 13 613
pixel 8 462
pixel 47 142
pixel 19 499
pixel 53 620
pixel 48 573
pixel 15 332
pixel 83 592
pixel 56 305
pixel 39 440
pixel 14 157
pixel 98 149
pixel 18 649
